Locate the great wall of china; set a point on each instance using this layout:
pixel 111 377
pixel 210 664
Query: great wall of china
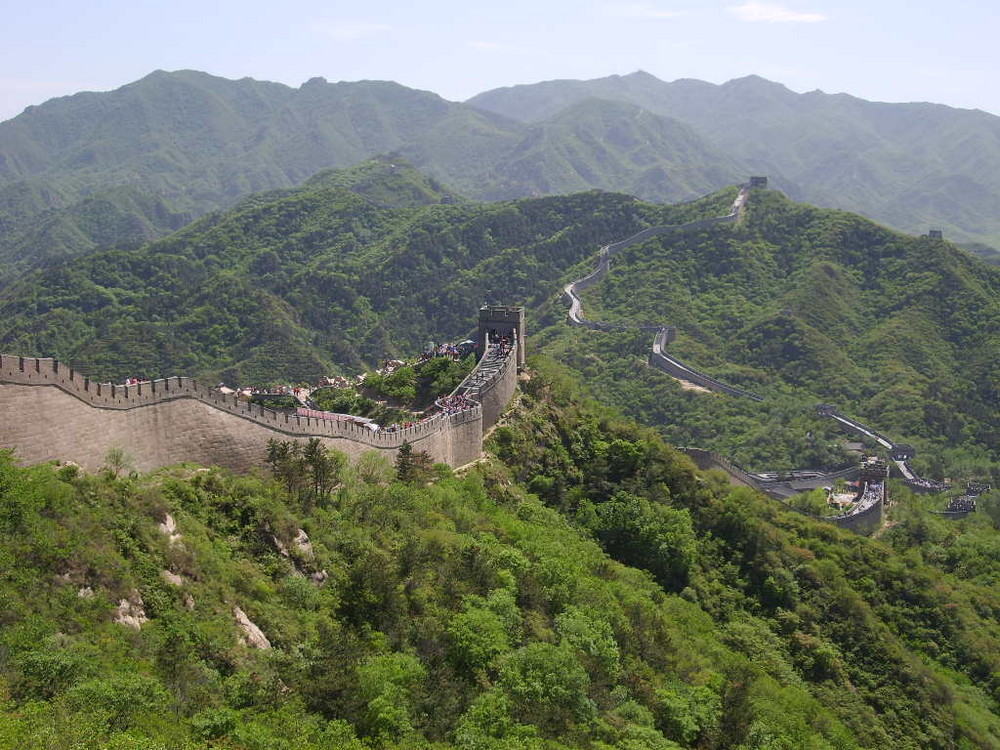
pixel 658 357
pixel 52 412
pixel 867 514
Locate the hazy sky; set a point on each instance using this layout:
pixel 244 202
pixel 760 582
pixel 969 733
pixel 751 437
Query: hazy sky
pixel 888 50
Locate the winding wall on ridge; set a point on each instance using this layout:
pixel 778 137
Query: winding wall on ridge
pixel 864 518
pixel 51 412
pixel 658 357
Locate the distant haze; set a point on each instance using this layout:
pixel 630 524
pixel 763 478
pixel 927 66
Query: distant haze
pixel 887 51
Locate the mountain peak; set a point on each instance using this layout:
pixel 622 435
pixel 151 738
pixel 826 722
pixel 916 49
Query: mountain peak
pixel 641 75
pixel 756 83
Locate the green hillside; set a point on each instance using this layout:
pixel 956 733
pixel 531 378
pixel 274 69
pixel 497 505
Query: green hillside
pixel 615 146
pixel 803 305
pixel 194 143
pixel 799 304
pixel 912 166
pixel 81 172
pixel 584 588
pixel 126 166
pixel 298 283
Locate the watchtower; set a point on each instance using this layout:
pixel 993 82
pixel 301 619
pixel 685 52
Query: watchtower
pixel 873 469
pixel 502 320
pixel 758 182
pixel 935 234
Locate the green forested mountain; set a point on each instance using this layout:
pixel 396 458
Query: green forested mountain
pixel 584 588
pixel 293 284
pixel 195 142
pixel 85 171
pixel 912 166
pixel 614 146
pixel 173 146
pixel 802 305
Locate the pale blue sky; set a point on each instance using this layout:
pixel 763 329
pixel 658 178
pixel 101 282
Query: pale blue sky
pixel 886 50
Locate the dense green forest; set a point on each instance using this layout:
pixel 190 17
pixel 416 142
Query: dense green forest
pixel 296 283
pixel 805 306
pixel 901 164
pixel 802 305
pixel 585 587
pixel 82 172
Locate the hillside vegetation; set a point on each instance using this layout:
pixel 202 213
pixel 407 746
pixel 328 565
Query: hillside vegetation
pixel 802 305
pixel 585 588
pixel 90 170
pixel 122 167
pixel 293 284
pixel 912 166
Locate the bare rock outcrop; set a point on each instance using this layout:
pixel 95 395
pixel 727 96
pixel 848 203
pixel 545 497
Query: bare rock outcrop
pixel 171 578
pixel 131 612
pixel 255 636
pixel 303 544
pixel 169 529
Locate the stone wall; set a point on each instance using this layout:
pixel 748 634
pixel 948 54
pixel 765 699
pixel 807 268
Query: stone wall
pixel 497 392
pixel 657 358
pixel 51 412
pixel 866 522
pixel 706 459
pixel 677 369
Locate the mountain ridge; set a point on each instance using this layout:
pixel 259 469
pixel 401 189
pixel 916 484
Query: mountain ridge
pixel 196 142
pixel 291 285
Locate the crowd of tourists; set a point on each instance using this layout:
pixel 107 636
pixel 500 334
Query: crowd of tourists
pixel 963 504
pixel 498 348
pixel 930 485
pixel 454 404
pixel 453 351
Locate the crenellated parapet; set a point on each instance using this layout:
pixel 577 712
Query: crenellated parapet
pixel 45 371
pixel 52 412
